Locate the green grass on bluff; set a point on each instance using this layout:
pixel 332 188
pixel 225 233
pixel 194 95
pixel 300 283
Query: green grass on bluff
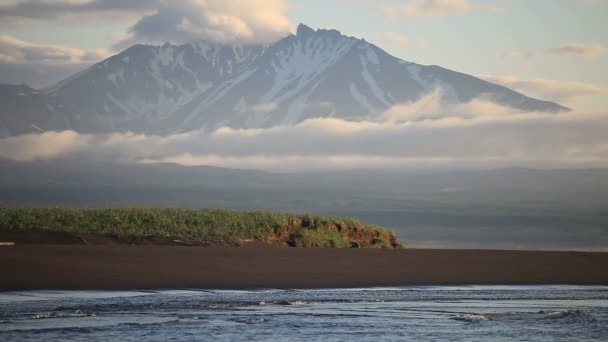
pixel 201 226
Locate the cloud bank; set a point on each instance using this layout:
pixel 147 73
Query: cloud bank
pixel 215 20
pixel 581 50
pixel 415 135
pixel 566 92
pixel 427 8
pixel 39 65
pixel 28 12
pixel 585 50
pixel 145 21
pixel 161 21
pixel 13 50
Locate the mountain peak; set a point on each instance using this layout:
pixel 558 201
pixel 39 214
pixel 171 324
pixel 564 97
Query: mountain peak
pixel 206 85
pixel 304 31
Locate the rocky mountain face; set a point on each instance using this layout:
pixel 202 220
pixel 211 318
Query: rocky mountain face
pixel 168 89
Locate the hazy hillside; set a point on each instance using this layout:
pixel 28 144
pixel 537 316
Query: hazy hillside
pixel 506 208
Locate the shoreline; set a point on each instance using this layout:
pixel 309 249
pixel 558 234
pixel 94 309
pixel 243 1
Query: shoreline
pixel 119 267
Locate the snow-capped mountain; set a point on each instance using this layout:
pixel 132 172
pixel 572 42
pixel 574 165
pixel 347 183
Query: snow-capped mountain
pixel 167 89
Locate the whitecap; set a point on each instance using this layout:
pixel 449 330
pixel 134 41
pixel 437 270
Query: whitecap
pixel 473 318
pixel 297 302
pixel 565 313
pixel 46 315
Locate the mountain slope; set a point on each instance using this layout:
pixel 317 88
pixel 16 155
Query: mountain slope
pixel 167 89
pixel 325 74
pixel 143 85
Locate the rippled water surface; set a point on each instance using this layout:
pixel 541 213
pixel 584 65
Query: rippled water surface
pixel 531 313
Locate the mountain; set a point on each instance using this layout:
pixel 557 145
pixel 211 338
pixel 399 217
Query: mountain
pixel 168 89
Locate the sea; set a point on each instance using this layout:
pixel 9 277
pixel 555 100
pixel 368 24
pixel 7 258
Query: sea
pixel 426 313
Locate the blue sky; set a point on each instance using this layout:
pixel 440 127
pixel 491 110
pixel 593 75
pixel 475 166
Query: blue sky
pixel 555 49
pixel 476 41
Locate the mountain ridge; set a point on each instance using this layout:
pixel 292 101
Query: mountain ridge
pixel 201 85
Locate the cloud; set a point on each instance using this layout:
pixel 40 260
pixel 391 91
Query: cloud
pixel 585 50
pixel 40 65
pixel 145 21
pixel 554 90
pixel 588 51
pixel 46 145
pixel 427 8
pixel 13 50
pixel 494 7
pixel 420 134
pixel 20 12
pixel 181 21
pixel 161 21
pixel 395 38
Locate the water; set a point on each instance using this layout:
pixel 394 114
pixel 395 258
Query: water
pixel 482 313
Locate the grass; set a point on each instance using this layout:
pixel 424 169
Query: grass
pixel 202 226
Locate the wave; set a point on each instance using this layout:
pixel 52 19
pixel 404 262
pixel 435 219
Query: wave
pixel 139 324
pixel 251 320
pixel 59 295
pixel 293 302
pixel 46 315
pixel 565 314
pixel 472 318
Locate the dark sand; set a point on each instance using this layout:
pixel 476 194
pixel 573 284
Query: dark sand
pixel 32 266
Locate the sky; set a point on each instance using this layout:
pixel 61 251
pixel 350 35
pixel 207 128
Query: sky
pixel 550 49
pixel 553 49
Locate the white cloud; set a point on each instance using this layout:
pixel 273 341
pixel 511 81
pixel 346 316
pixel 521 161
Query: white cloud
pixel 29 12
pixel 242 21
pixel 46 145
pixel 161 21
pixel 144 21
pixel 395 38
pixel 423 133
pixel 554 90
pixel 588 51
pixel 585 50
pixel 13 50
pixel 427 8
pixel 494 7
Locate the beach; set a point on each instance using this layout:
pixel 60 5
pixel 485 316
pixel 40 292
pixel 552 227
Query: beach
pixel 113 267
